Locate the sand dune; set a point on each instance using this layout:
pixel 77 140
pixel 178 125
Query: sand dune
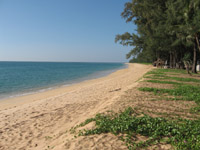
pixel 42 121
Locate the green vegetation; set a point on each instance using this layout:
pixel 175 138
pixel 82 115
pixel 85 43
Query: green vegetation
pixel 181 92
pixel 183 134
pixel 155 73
pixel 162 76
pixel 169 30
pixel 163 82
pixel 195 109
pixel 164 71
pixel 171 70
pixel 129 125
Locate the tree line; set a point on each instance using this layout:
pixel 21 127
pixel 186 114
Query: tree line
pixel 166 29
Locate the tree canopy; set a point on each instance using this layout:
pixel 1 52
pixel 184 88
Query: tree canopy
pixel 169 30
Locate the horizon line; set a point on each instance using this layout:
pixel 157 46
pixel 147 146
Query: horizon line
pixel 62 61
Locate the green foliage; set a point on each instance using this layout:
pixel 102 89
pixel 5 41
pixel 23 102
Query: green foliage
pixel 183 134
pixel 171 70
pixel 162 76
pixel 180 92
pixel 155 72
pixel 195 109
pixel 187 57
pixel 165 29
pixel 163 82
pixel 164 71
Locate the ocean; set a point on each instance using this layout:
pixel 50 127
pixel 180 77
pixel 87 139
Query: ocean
pixel 22 78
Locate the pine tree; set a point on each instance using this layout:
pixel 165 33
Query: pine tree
pixel 165 29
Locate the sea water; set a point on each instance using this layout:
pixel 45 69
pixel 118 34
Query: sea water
pixel 21 78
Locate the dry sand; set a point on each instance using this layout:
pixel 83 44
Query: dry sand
pixel 42 121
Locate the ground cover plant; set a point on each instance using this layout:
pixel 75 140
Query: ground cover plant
pixel 164 82
pixel 181 134
pixel 164 71
pixel 180 71
pixel 181 90
pixel 157 75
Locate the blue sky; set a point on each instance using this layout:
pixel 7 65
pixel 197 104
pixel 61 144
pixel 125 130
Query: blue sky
pixel 62 30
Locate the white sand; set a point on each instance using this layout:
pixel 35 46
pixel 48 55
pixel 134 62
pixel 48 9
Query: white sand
pixel 41 121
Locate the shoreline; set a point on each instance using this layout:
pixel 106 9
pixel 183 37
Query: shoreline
pixel 22 98
pixel 44 120
pixel 46 76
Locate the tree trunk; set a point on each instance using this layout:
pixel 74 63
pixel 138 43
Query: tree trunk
pixel 171 62
pixel 174 59
pixel 187 66
pixel 197 40
pixel 194 60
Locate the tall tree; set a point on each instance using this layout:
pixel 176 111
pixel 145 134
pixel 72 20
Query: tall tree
pixel 165 29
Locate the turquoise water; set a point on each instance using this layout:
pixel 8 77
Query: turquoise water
pixel 18 78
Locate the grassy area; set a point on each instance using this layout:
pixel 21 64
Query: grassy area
pixel 180 92
pixel 181 71
pixel 164 82
pixel 165 77
pixel 164 71
pixel 182 134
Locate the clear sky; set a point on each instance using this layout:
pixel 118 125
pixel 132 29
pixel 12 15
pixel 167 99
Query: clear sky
pixel 62 30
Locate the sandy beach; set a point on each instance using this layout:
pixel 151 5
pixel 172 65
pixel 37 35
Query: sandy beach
pixel 42 121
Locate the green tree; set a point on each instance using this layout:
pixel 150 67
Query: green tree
pixel 165 29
